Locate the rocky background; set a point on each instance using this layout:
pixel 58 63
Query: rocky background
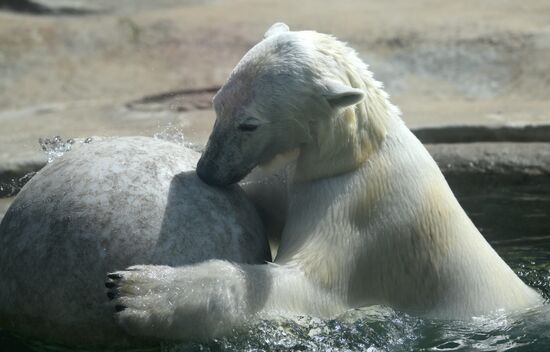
pixel 462 72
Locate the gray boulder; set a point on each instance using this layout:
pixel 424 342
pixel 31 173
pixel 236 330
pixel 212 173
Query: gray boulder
pixel 102 207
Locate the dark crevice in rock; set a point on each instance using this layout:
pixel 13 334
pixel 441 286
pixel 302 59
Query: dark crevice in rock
pixel 178 100
pixel 470 134
pixel 36 8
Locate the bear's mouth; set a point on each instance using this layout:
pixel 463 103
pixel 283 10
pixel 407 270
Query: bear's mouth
pixel 210 173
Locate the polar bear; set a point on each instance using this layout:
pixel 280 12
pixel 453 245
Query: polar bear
pixel 370 220
pixel 103 206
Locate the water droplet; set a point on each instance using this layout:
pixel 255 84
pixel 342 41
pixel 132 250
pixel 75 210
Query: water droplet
pixel 171 133
pixel 55 147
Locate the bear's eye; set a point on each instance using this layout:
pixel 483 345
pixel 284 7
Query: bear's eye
pixel 247 127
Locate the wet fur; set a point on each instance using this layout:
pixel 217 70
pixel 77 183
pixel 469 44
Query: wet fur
pixel 371 219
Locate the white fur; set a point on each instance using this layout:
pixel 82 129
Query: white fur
pixel 371 219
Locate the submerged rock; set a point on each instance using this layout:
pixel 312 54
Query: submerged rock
pixel 102 207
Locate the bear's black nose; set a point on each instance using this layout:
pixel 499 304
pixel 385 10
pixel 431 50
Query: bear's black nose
pixel 207 172
pixel 211 174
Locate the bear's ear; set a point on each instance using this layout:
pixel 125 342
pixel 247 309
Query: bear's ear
pixel 340 95
pixel 277 28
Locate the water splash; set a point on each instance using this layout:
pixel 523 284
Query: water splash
pixel 381 328
pixel 172 133
pixel 12 187
pixel 55 147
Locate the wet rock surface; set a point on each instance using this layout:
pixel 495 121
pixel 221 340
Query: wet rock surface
pixel 474 165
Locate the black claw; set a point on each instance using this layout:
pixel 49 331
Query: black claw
pixel 119 308
pixel 111 294
pixel 110 284
pixel 114 276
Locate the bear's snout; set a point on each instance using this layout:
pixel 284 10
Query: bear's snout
pixel 208 171
pixel 211 173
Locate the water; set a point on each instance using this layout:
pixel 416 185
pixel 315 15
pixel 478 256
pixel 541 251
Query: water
pixel 172 133
pixel 383 329
pixel 509 213
pixel 55 147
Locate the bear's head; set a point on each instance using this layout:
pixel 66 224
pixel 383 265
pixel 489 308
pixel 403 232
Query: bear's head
pixel 291 91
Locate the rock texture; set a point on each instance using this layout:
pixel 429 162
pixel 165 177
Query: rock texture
pixel 105 206
pixel 475 165
pixel 85 75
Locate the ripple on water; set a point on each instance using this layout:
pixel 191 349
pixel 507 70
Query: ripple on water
pixel 383 329
pixel 388 330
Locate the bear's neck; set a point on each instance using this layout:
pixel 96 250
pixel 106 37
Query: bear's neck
pixel 348 139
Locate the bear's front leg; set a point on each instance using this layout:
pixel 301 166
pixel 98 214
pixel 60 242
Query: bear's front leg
pixel 188 302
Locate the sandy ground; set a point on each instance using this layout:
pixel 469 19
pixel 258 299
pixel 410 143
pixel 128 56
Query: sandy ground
pixel 463 62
